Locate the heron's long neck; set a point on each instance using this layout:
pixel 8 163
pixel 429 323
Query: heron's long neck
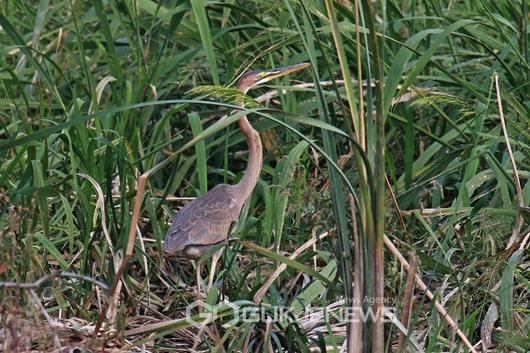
pixel 255 159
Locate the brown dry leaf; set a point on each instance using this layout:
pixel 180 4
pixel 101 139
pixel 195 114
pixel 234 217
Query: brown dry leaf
pixel 488 324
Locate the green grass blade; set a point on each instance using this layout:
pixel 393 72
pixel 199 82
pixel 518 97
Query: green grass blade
pixel 200 153
pixel 199 11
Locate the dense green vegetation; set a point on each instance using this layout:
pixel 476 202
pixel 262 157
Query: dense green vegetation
pixel 95 93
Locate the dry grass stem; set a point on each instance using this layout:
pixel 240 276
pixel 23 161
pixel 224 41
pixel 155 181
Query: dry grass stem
pixel 423 287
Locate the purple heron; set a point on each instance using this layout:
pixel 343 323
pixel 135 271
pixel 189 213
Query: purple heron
pixel 205 221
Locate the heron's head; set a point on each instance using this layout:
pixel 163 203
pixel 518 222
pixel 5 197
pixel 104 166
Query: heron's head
pixel 253 78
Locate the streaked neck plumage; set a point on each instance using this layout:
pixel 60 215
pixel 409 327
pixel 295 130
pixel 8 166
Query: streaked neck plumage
pixel 255 157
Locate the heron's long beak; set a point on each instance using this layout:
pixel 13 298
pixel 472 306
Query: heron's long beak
pixel 269 75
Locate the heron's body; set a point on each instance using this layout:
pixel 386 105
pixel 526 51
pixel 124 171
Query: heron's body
pixel 205 221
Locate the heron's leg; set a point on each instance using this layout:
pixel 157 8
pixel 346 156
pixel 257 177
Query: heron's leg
pixel 198 278
pixel 212 333
pixel 215 259
pixel 197 340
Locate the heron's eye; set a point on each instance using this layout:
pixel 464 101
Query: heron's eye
pixel 261 75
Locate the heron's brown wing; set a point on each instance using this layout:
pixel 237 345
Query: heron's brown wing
pixel 203 221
